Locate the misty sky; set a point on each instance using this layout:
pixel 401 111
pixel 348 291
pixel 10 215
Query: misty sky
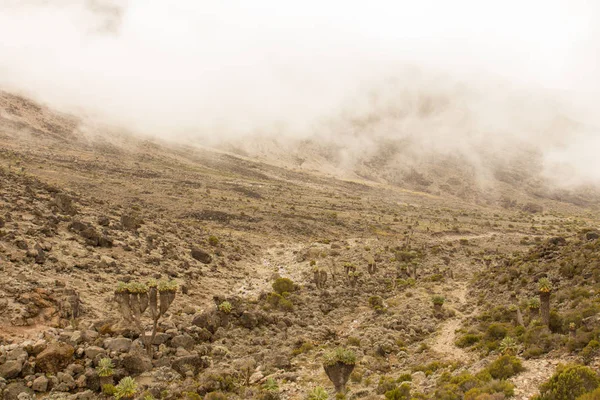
pixel 230 68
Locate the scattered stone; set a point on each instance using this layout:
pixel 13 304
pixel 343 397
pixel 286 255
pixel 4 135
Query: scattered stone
pixel 185 341
pixel 40 384
pixel 201 255
pixel 11 369
pixel 130 222
pixel 13 390
pixel 94 351
pixel 119 344
pixel 135 363
pixel 54 358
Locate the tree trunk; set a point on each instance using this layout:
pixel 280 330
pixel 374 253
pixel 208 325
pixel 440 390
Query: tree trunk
pixel 520 318
pixel 338 374
pixel 150 343
pixel 106 380
pixel 534 313
pixel 545 307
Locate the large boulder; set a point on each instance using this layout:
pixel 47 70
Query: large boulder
pixel 11 369
pixel 94 351
pixel 201 255
pixel 40 384
pixel 209 320
pixel 119 344
pixel 55 358
pixel 185 341
pixel 13 390
pixel 248 320
pixel 192 362
pixel 131 222
pixel 136 363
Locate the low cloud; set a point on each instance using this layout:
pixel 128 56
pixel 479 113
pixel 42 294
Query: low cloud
pixel 456 77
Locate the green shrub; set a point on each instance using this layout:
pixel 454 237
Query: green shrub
pixel 465 381
pixel 556 322
pixel 504 367
pixel 105 367
pixel 448 392
pixel 215 396
pixel 270 385
pixel 400 393
pixel 126 388
pixel 538 340
pixel 356 376
pixel 285 305
pixel 590 351
pixel 305 347
pixel 438 300
pixel 569 382
pixel 318 393
pixel 496 331
pixel 430 368
pixel 503 388
pixel 386 384
pixel 213 240
pixel 341 355
pixel 277 300
pixel 283 285
pixel 225 307
pixel 467 340
pixel 376 302
pixel 595 395
pixel 108 389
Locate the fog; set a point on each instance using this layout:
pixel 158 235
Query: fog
pixel 456 75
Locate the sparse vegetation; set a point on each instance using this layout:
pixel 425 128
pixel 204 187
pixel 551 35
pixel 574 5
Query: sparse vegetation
pixel 569 382
pixel 126 389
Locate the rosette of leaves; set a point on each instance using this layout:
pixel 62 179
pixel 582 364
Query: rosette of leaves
pixel 509 346
pixel 544 285
pixel 438 302
pixel 105 367
pixel 138 298
pixel 318 393
pixel 166 290
pixel 225 307
pixel 545 288
pixel 105 370
pixel 126 388
pixel 338 365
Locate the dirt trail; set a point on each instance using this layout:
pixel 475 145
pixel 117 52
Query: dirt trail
pixel 536 372
pixel 443 342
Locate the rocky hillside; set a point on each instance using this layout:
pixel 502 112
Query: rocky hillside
pixel 204 274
